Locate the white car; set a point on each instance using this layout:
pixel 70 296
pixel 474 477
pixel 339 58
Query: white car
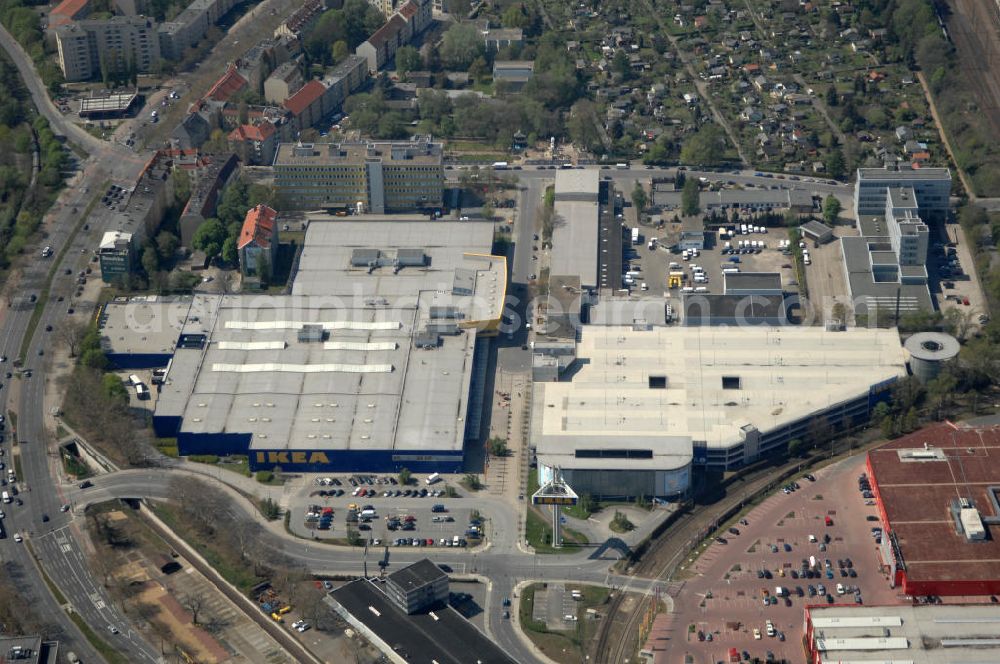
pixel 756 633
pixel 18 538
pixel 303 627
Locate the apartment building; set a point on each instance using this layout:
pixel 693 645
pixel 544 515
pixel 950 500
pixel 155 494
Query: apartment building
pixel 191 25
pixel 409 21
pixel 381 176
pixel 254 144
pixel 283 82
pixel 318 99
pixel 932 187
pixel 301 20
pixel 119 42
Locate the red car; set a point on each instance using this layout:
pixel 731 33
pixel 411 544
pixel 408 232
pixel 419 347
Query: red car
pixel 965 301
pixel 829 521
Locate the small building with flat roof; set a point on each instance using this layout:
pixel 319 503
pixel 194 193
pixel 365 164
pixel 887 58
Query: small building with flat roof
pixel 417 587
pixel 816 231
pixel 141 332
pixel 114 105
pixel 911 634
pixel 28 650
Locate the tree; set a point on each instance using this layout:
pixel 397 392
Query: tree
pixel 690 197
pixel 795 447
pixel 620 65
pixel 834 162
pixel 166 244
pixel 471 482
pixel 209 237
pixel 479 70
pixel 407 60
pixel 831 209
pixel 461 45
pixel 72 333
pixel 114 389
pixel 194 603
pixel 340 50
pixel 705 148
pixel 620 523
pixel 230 255
pixel 498 447
pixel 639 198
pixel 404 476
pixel 150 260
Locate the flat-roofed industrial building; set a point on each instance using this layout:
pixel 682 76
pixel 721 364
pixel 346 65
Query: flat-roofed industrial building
pixel 938 496
pixel 647 403
pixel 375 362
pixel 917 634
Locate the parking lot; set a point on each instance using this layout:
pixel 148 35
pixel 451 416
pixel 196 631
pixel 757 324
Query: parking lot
pixel 392 518
pixel 733 586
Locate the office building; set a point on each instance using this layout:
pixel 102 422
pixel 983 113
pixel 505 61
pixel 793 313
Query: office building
pixel 86 48
pixel 117 255
pixel 377 176
pixel 418 587
pixel 902 634
pixel 645 403
pixel 931 186
pixel 908 234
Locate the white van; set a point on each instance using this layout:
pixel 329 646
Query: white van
pixel 134 380
pixel 432 478
pixel 687 289
pixel 368 514
pixel 701 289
pixel 730 270
pixel 6 497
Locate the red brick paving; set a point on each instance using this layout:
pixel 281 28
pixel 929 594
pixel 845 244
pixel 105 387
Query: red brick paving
pixel 738 599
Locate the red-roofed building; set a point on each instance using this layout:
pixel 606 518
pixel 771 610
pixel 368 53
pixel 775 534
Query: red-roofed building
pixel 68 10
pixel 255 144
pixel 230 83
pixel 306 105
pixel 937 495
pixel 408 22
pixel 258 243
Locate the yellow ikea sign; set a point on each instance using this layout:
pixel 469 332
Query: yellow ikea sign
pixel 282 458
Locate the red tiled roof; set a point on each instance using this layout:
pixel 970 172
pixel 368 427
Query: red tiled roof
pixel 388 31
pixel 409 10
pixel 230 83
pixel 306 95
pixel 249 132
pixel 66 11
pixel 258 227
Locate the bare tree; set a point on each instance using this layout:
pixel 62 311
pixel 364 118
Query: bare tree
pixel 71 333
pixel 194 603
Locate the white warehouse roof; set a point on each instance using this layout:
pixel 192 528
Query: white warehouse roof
pixel 666 387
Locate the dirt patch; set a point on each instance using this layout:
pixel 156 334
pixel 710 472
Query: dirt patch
pixel 176 620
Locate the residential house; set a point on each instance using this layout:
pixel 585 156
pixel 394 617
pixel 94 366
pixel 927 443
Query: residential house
pixel 255 144
pixel 498 38
pixel 211 176
pixel 283 82
pixel 258 242
pixel 513 74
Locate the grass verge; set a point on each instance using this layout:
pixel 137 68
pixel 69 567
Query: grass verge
pixel 229 566
pixel 538 533
pixel 110 654
pixel 53 588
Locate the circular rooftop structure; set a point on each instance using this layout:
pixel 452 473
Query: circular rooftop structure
pixel 928 351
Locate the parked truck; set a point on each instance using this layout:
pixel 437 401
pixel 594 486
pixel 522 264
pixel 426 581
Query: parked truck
pixel 635 236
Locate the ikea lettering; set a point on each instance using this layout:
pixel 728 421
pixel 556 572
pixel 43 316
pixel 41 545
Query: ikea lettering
pixel 284 458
